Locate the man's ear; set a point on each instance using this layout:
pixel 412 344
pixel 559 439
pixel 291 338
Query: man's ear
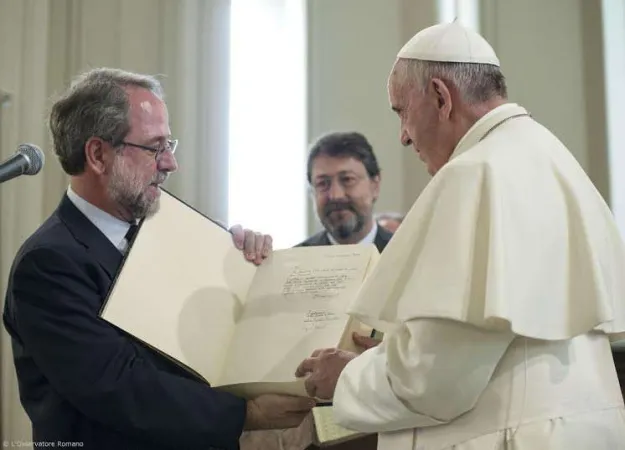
pixel 375 186
pixel 95 157
pixel 442 96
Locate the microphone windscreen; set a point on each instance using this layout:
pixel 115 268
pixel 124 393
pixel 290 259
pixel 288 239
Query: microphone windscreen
pixel 35 157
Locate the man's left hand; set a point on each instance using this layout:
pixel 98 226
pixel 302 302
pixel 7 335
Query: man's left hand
pixel 255 246
pixel 323 368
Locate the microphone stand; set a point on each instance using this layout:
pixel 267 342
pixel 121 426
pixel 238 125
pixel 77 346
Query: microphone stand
pixel 5 100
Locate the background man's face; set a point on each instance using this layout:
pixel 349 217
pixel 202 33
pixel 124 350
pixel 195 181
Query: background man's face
pixel 344 194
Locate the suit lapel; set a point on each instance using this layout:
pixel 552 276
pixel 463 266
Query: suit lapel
pixel 382 237
pixel 323 239
pixel 85 232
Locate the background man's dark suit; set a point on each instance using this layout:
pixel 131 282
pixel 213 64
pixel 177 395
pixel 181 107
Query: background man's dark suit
pixel 80 379
pixel 381 239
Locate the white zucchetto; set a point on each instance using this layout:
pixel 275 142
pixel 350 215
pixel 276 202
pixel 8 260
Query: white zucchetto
pixel 449 42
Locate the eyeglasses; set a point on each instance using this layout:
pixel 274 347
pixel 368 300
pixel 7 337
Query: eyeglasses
pixel 347 181
pixel 170 146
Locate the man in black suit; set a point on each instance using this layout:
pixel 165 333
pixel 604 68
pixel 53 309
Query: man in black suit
pixel 83 382
pixel 344 175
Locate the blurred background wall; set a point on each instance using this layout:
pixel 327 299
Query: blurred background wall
pixel 250 83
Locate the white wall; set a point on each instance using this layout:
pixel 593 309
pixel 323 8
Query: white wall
pixel 352 47
pixel 614 65
pixel 551 53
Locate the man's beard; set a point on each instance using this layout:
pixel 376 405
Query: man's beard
pixel 129 190
pixel 344 229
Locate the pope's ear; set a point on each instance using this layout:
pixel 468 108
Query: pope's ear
pixel 442 97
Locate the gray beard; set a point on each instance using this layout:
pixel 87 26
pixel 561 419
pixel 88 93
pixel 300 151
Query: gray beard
pixel 347 229
pixel 128 191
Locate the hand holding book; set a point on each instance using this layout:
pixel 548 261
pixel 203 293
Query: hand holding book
pixel 324 366
pixel 267 412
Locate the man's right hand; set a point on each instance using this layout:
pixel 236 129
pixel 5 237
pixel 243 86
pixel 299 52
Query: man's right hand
pixel 268 412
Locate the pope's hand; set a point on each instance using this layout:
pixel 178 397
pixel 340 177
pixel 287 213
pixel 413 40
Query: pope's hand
pixel 323 369
pixel 269 412
pixel 365 342
pixel 255 246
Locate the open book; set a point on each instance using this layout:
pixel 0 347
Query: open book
pixel 186 291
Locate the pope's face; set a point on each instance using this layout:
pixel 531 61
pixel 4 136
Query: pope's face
pixel 421 124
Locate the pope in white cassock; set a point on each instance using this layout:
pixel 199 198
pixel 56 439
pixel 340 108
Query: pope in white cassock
pixel 502 289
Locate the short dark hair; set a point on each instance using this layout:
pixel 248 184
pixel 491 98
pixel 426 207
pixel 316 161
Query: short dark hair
pixel 344 145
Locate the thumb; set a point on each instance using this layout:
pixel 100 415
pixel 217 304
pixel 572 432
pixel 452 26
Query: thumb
pixel 301 404
pixel 365 342
pixel 238 236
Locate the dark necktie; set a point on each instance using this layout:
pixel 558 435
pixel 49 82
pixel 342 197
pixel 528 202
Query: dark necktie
pixel 130 234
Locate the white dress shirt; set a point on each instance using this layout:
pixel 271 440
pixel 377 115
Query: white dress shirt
pixel 113 228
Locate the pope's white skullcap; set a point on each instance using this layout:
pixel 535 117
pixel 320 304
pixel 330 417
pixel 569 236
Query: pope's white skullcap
pixel 449 42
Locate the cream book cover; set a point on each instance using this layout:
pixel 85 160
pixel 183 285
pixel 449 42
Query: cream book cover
pixel 185 290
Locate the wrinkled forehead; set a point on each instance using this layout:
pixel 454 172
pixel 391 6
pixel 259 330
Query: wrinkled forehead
pixel 396 80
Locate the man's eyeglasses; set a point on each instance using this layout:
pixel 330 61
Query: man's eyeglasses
pixel 347 181
pixel 170 146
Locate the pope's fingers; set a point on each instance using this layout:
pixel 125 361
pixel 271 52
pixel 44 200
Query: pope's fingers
pixel 306 366
pixel 365 342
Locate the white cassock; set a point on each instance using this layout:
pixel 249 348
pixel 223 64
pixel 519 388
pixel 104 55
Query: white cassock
pixel 498 295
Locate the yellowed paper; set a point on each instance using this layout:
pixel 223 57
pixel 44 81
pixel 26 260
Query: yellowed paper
pixel 185 290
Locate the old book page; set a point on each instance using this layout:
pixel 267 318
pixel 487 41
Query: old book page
pixel 181 288
pixel 296 303
pixel 185 290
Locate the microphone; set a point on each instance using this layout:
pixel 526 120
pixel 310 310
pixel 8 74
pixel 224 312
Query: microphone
pixel 28 160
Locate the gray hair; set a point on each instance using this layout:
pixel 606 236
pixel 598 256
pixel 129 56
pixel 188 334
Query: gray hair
pixel 476 83
pixel 95 105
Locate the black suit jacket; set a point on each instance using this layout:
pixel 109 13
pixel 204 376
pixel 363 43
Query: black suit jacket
pixel 82 380
pixel 381 239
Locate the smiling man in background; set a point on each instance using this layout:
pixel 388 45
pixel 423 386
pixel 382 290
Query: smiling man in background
pixel 344 176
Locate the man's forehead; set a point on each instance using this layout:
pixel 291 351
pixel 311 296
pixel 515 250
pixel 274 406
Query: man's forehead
pixel 148 112
pixel 325 165
pixel 143 101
